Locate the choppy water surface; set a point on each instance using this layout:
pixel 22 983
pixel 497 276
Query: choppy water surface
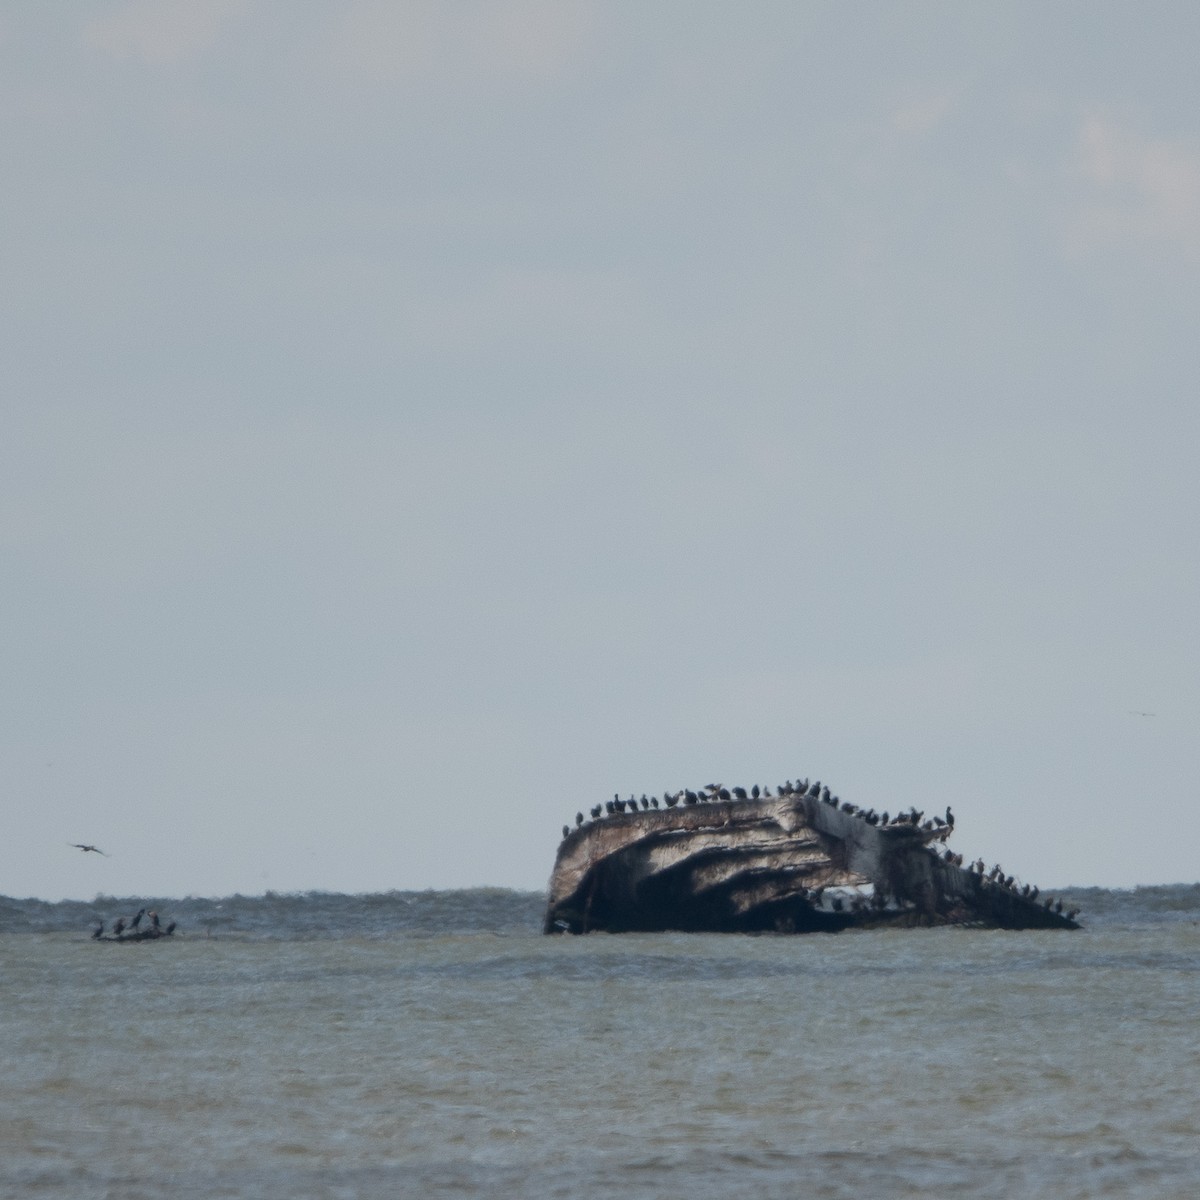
pixel 435 1044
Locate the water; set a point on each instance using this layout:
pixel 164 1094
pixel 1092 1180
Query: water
pixel 436 1045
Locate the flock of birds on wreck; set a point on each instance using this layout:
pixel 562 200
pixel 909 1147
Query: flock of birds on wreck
pixel 939 827
pixel 122 932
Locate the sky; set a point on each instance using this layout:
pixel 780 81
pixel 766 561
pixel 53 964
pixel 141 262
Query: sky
pixel 424 421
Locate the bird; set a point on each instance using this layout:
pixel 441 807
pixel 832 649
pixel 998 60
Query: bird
pixel 119 927
pixel 1137 712
pixel 98 930
pixel 756 791
pixel 949 817
pixel 141 912
pixel 566 830
pixel 170 929
pixel 579 818
pixel 85 849
pixel 154 918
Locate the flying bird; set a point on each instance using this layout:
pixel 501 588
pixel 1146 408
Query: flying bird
pixel 85 849
pixel 1137 712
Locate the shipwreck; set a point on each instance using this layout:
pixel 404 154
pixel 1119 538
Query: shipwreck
pixel 790 860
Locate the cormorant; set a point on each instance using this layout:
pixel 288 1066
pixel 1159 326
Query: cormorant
pixel 755 792
pixel 653 801
pixel 119 927
pixel 690 797
pixel 141 912
pixel 723 793
pixel 949 817
pixel 596 812
pixel 672 800
pixel 645 802
pixel 85 849
pixel 579 818
pixel 740 793
pixel 566 831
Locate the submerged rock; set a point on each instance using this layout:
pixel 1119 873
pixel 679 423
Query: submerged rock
pixel 797 862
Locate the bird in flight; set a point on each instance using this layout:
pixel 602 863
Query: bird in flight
pixel 1137 712
pixel 85 849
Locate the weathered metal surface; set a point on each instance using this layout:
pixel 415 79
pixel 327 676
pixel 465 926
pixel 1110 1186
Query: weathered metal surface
pixel 789 863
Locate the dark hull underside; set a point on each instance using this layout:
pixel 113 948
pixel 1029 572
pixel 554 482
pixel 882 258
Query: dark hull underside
pixel 787 864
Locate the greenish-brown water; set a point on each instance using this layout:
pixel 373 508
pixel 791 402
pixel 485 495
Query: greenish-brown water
pixel 436 1044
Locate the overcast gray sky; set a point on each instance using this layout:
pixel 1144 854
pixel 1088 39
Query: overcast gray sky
pixel 424 420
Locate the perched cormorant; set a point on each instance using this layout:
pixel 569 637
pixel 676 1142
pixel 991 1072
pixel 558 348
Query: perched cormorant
pixel 723 794
pixel 740 793
pixel 653 801
pixel 690 797
pixel 579 818
pixel 755 792
pixel 596 812
pixel 566 831
pixel 119 927
pixel 949 817
pixel 141 912
pixel 672 799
